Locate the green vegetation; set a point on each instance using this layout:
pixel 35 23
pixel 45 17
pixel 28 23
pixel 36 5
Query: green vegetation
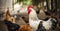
pixel 25 2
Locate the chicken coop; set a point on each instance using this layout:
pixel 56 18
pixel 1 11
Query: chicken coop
pixel 30 15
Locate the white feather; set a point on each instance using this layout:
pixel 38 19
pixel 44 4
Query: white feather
pixel 47 24
pixel 33 15
pixel 33 19
pixel 34 24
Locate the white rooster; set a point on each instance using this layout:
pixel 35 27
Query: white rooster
pixel 37 24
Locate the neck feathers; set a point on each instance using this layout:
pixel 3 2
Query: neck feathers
pixel 33 15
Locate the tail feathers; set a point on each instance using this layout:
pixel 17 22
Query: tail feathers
pixel 41 27
pixel 54 23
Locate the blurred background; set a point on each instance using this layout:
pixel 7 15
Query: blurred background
pixel 18 9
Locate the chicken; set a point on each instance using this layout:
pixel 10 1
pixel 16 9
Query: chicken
pixel 19 8
pixel 9 22
pixel 42 14
pixel 38 24
pixel 9 17
pixel 47 24
pixel 26 27
pixel 33 19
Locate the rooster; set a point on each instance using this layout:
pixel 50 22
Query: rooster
pixel 38 24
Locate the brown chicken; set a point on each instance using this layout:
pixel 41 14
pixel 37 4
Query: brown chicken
pixel 26 27
pixel 8 16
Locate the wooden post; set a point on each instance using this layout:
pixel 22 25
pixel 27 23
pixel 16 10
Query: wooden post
pixel 47 5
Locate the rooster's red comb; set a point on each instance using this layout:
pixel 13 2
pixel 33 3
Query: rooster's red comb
pixel 30 6
pixel 29 10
